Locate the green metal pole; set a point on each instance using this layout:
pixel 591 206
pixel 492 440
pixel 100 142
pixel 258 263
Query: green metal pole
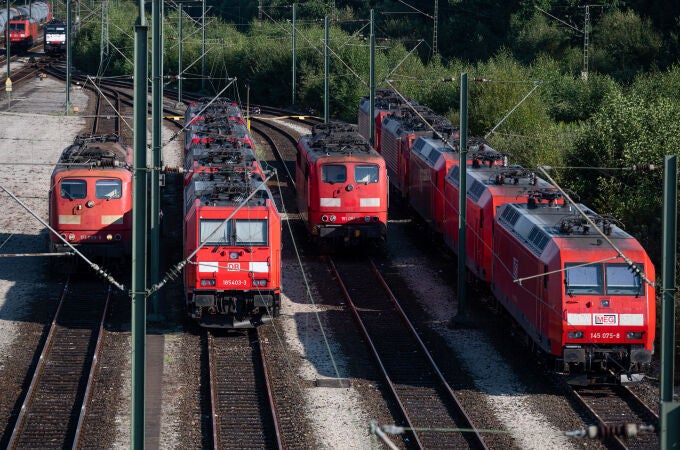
pixel 371 83
pixel 179 58
pixel 203 50
pixel 326 98
pixel 69 33
pixel 294 45
pixel 156 147
pixel 139 234
pixel 670 413
pixel 7 53
pixel 461 316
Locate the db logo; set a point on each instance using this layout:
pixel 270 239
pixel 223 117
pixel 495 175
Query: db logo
pixel 606 319
pixel 233 267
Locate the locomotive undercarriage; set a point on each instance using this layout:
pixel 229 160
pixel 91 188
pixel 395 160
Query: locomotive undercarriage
pixel 233 310
pixel 352 233
pixel 626 362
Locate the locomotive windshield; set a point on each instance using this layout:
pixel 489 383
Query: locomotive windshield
pixel 73 189
pixel 17 26
pixel 580 279
pixel 621 280
pixel 366 174
pixel 333 173
pixel 108 189
pixel 248 232
pixel 618 279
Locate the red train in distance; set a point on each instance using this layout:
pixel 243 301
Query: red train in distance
pixel 589 307
pixel 90 198
pixel 232 237
pixel 23 29
pixel 208 118
pixel 399 132
pixel 342 186
pixel 614 324
pixel 386 102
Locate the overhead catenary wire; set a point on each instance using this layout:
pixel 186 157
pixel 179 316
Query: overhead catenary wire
pixel 100 271
pixel 631 265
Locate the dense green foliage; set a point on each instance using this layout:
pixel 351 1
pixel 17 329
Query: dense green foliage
pixel 526 90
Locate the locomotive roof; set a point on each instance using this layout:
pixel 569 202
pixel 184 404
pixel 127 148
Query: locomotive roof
pixel 540 224
pixel 503 179
pixel 219 106
pixel 336 138
pixel 385 99
pixel 220 154
pixel 228 186
pixel 431 147
pixel 409 119
pixel 101 151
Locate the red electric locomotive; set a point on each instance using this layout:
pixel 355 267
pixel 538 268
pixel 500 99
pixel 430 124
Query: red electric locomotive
pixel 210 154
pixel 23 29
pixel 571 290
pixel 488 187
pixel 232 237
pixel 387 101
pixel 205 119
pixel 342 185
pixel 90 196
pixel 399 132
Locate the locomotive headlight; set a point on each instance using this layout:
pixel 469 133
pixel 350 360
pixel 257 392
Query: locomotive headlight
pixel 332 218
pixel 71 237
pixel 90 204
pixel 324 218
pixel 208 282
pixel 119 237
pixel 367 218
pixel 109 237
pixel 634 335
pixel 575 334
pixel 259 282
pixel 233 255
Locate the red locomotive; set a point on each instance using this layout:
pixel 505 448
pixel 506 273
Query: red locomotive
pixel 386 102
pixel 488 187
pixel 232 237
pixel 586 305
pixel 90 198
pixel 207 118
pixel 23 29
pixel 400 131
pixel 342 186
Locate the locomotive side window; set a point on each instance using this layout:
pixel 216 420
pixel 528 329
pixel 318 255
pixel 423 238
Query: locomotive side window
pixel 73 189
pixel 108 189
pixel 333 173
pixel 621 280
pixel 248 232
pixel 366 174
pixel 580 279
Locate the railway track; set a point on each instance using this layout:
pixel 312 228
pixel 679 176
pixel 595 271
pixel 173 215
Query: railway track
pixel 55 405
pixel 434 416
pixel 241 396
pixel 615 405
